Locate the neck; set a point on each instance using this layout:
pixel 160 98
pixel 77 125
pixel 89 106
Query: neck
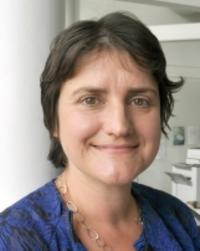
pixel 100 203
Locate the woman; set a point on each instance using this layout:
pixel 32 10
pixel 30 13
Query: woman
pixel 106 99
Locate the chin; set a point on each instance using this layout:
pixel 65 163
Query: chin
pixel 117 179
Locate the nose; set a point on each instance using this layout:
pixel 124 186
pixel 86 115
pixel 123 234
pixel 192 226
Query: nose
pixel 118 121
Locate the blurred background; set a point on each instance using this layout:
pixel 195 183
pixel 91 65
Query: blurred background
pixel 26 31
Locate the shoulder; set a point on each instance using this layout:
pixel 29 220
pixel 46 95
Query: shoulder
pixel 160 200
pixel 175 214
pixel 30 217
pixel 39 204
pixel 156 197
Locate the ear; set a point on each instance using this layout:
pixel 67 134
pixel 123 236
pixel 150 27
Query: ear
pixel 55 133
pixel 56 130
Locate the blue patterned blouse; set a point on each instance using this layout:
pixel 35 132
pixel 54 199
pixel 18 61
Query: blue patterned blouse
pixel 40 222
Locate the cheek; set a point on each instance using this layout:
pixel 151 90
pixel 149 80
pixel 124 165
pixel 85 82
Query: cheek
pixel 150 132
pixel 77 127
pixel 154 133
pixel 150 128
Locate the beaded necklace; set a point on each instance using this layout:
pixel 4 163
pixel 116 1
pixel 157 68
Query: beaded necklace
pixel 91 233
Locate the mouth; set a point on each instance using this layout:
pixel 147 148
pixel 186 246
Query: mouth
pixel 116 148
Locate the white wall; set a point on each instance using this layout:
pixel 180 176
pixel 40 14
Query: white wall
pixel 150 15
pixel 71 11
pixel 186 63
pixel 26 30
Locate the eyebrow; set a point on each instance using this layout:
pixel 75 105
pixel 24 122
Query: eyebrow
pixel 143 90
pixel 88 90
pixel 134 91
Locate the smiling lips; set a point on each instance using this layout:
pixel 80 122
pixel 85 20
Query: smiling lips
pixel 116 148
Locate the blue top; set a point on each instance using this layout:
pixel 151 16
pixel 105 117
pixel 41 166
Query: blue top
pixel 40 222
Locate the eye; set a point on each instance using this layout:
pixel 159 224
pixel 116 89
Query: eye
pixel 140 102
pixel 91 101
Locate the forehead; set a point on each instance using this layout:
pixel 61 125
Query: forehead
pixel 109 56
pixel 109 68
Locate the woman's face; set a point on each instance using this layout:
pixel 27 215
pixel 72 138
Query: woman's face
pixel 109 118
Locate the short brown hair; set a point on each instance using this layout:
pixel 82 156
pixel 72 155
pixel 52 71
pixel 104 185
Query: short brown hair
pixel 116 30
